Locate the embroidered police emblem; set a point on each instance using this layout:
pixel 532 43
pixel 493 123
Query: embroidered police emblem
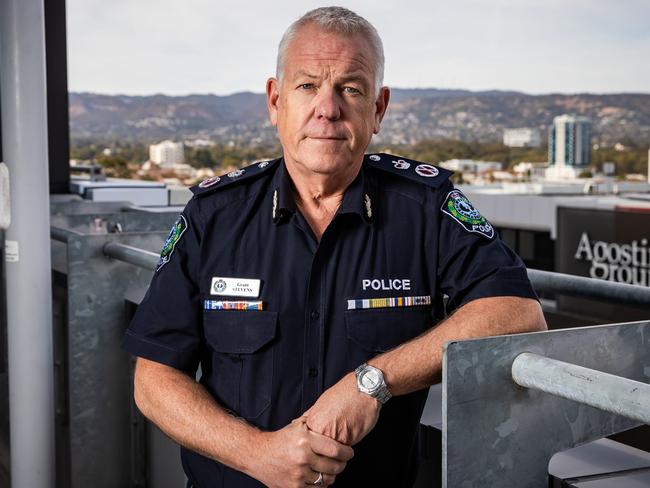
pixel 374 157
pixel 263 164
pixel 426 170
pixel 401 164
pixel 458 207
pixel 169 245
pixel 235 174
pixel 209 182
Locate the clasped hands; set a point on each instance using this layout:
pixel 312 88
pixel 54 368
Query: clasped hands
pixel 320 440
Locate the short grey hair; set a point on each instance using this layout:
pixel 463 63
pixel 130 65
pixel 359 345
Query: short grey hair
pixel 336 20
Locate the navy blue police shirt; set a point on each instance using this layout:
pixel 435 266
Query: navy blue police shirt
pixel 274 317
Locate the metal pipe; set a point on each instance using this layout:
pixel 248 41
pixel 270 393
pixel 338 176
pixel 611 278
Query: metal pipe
pixel 28 272
pixel 131 255
pixel 605 391
pixel 62 235
pixel 580 286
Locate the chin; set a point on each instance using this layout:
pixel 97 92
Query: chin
pixel 327 163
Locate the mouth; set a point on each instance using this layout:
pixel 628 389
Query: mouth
pixel 327 138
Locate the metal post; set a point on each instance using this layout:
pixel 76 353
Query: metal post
pixel 605 391
pixel 28 271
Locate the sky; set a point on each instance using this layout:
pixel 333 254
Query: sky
pixel 142 47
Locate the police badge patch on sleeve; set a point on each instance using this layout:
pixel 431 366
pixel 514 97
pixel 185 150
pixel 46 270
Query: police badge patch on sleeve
pixel 174 236
pixel 459 208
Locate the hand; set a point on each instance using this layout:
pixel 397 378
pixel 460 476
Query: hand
pixel 293 457
pixel 343 412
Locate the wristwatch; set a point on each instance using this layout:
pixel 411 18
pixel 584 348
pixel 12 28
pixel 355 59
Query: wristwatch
pixel 370 380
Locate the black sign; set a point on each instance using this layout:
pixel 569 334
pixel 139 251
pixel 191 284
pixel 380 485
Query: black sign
pixel 612 245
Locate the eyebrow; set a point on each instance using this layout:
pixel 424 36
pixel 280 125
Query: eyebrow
pixel 344 79
pixel 300 73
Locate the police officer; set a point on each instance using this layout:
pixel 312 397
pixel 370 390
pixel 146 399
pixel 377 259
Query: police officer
pixel 310 288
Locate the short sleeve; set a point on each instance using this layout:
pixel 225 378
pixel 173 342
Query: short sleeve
pixel 167 326
pixel 473 262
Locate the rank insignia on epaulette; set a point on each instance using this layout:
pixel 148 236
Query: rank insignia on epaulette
pixel 414 170
pixel 209 182
pixel 215 183
pixel 427 171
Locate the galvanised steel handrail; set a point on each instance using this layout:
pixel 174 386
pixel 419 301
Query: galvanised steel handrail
pixel 605 391
pixel 580 286
pixel 132 255
pixel 62 235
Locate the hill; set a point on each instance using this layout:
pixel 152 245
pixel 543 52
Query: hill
pixel 414 115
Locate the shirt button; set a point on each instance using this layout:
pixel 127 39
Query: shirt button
pixel 314 314
pixel 313 372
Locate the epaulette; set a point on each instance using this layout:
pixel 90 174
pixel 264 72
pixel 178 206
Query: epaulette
pixel 408 168
pixel 217 182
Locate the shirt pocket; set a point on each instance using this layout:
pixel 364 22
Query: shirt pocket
pixel 382 329
pixel 242 350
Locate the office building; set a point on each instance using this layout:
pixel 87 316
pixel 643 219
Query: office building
pixel 569 146
pixel 167 154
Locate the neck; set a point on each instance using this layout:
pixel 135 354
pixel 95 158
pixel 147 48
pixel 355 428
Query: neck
pixel 318 196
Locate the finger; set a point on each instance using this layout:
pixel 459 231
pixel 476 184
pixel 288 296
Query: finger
pixel 328 447
pixel 328 479
pixel 311 476
pixel 327 465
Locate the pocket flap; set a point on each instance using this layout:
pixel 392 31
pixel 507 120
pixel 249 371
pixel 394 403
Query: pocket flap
pixel 382 329
pixel 239 332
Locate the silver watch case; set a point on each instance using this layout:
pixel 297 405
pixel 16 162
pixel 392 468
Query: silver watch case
pixel 370 380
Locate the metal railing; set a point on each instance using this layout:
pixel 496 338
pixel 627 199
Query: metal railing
pixel 62 235
pixel 580 286
pixel 605 391
pixel 132 255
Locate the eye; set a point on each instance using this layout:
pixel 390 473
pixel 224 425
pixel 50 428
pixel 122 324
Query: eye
pixel 351 90
pixel 306 86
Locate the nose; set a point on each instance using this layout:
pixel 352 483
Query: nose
pixel 328 104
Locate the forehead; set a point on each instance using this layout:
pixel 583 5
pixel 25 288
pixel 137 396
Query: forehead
pixel 315 48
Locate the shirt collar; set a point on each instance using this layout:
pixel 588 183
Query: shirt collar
pixel 357 199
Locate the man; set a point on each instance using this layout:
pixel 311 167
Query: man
pixel 307 288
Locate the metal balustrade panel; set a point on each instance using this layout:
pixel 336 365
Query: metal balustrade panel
pixel 496 433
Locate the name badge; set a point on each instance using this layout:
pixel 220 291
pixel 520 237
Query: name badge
pixel 235 287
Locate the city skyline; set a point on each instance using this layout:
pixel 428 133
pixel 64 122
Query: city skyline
pixel 143 48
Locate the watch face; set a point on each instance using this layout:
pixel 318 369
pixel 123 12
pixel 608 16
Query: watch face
pixel 370 379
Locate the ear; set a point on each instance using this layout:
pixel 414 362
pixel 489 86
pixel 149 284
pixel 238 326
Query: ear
pixel 381 104
pixel 272 97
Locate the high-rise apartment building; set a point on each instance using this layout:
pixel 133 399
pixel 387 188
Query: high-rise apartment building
pixel 167 154
pixel 569 146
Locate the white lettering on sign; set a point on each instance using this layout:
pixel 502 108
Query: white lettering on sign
pixel 386 284
pixel 611 261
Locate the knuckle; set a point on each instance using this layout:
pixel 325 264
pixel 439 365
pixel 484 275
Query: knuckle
pixel 296 479
pixel 302 458
pixel 303 442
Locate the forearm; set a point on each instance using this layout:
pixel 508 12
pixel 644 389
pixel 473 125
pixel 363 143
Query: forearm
pixel 185 411
pixel 417 364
